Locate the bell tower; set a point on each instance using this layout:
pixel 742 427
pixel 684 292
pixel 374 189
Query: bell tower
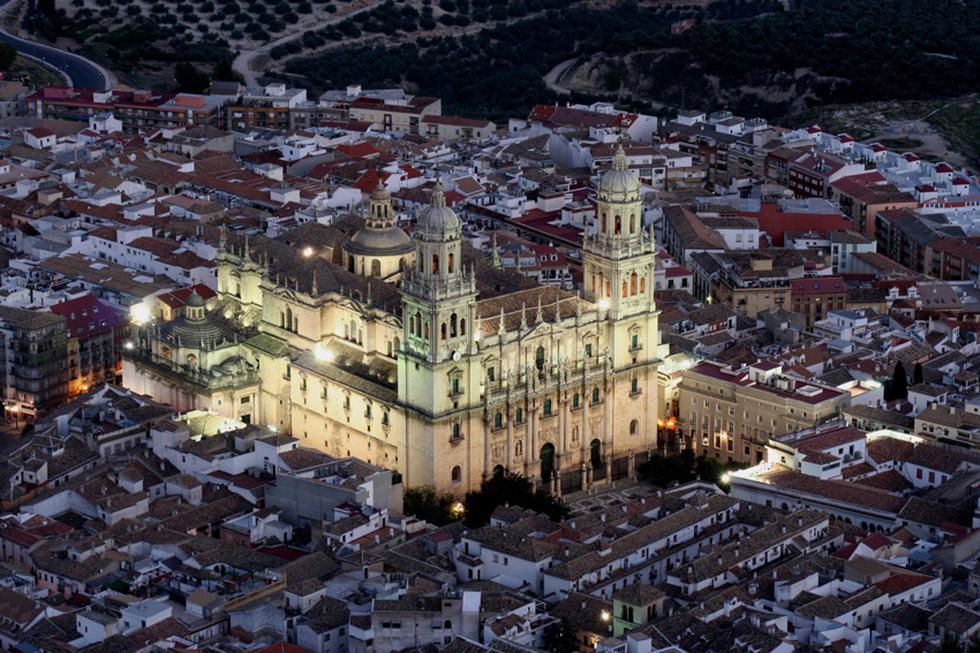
pixel 618 254
pixel 438 375
pixel 438 301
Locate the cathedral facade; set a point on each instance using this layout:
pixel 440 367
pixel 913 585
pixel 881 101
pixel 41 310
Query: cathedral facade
pixel 419 355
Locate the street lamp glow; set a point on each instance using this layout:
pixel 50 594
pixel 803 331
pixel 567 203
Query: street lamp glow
pixel 726 478
pixel 128 345
pixel 139 313
pixel 307 251
pixel 457 509
pixel 323 354
pixel 604 615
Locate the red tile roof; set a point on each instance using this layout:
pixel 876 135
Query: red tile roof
pixel 818 286
pixel 359 150
pixel 178 298
pixel 87 316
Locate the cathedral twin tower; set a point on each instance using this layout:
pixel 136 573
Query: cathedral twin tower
pixel 540 381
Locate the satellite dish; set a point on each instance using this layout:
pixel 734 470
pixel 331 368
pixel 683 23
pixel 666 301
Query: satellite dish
pixel 456 356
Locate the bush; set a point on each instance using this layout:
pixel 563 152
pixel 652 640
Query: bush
pixel 512 489
pixel 425 503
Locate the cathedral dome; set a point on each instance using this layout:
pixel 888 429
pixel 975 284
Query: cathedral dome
pixel 201 334
pixel 380 242
pixel 618 183
pixel 438 222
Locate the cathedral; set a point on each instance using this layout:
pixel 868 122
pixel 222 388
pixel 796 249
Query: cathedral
pixel 419 354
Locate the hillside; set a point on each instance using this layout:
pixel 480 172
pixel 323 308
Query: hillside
pixel 750 56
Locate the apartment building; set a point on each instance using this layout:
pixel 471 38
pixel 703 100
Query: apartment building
pixel 816 297
pixel 390 117
pixel 451 128
pixel 135 109
pixel 731 413
pixel 33 362
pixel 95 335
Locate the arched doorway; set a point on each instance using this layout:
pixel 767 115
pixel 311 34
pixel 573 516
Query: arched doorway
pixel 498 471
pixel 595 453
pixel 547 462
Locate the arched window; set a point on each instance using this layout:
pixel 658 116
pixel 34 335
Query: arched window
pixel 634 426
pixel 547 461
pixel 575 400
pixel 455 431
pixel 632 224
pixel 624 287
pixel 462 327
pixel 602 221
pixel 519 415
pixel 442 331
pixel 418 323
pixel 452 325
pixel 643 285
pixel 498 420
pixel 435 264
pixel 457 474
pixel 539 358
pixel 375 268
pixel 289 319
pixel 426 330
pixel 619 225
pixel 411 324
pixel 595 395
pixel 451 260
pixel 595 453
pixel 633 283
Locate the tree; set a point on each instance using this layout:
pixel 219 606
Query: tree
pixel 512 489
pixel 898 386
pixel 190 79
pixel 423 502
pixel 223 72
pixel 950 645
pixel 917 374
pixel 559 637
pixel 8 54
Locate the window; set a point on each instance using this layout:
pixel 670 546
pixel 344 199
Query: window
pixel 595 453
pixel 634 386
pixel 519 415
pixel 498 420
pixel 547 407
pixel 454 433
pixel 457 474
pixel 595 395
pixel 539 358
pixel 575 401
pixel 588 350
pixel 634 427
pixel 491 374
pixel 635 341
pixel 547 456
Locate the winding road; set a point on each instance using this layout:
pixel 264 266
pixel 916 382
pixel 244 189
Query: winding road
pixel 77 71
